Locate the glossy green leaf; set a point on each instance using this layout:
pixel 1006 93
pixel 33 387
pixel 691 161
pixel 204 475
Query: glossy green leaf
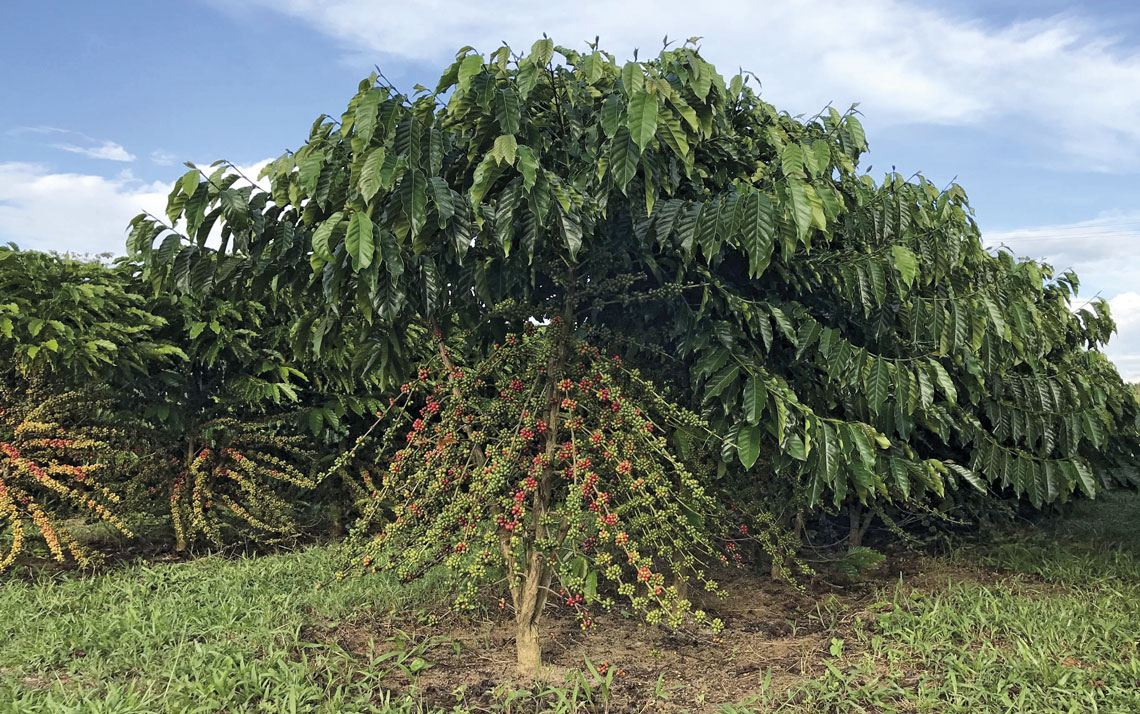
pixel 358 240
pixel 642 118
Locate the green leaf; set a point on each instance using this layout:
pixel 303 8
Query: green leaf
pixel 944 381
pixel 720 382
pixel 592 67
pixel 234 207
pixel 321 236
pixel 783 323
pixel 792 161
pixel 1093 428
pixel 571 233
pixel 443 200
pixel 1084 478
pixel 827 452
pixel 642 118
pixel 632 78
pixel 995 315
pixel 507 110
pixel 810 161
pixel 189 181
pixel 816 485
pixel 624 156
pixel 485 174
pixel 367 109
pixel 713 359
pixel 309 171
pixel 968 475
pixel 469 66
pixel 863 478
pixel 358 241
pixel 613 109
pixel 877 384
pixel 855 130
pixel 674 135
pixel 541 52
pixel 801 207
pixel 810 331
pixel 527 166
pixel 755 397
pixel 505 149
pixel 901 477
pixel 758 231
pixel 413 199
pixel 905 263
pixel 858 436
pixel 796 448
pixel 370 181
pixel 926 388
pixel 748 444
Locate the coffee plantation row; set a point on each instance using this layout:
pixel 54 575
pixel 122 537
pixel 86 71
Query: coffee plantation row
pixel 569 329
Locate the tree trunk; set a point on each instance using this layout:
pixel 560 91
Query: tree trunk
pixel 336 524
pixel 681 582
pixel 529 600
pixel 180 537
pixel 859 523
pixel 529 595
pixel 855 533
pixel 528 649
pixel 780 564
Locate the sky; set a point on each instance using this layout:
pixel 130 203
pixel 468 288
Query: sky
pixel 1033 107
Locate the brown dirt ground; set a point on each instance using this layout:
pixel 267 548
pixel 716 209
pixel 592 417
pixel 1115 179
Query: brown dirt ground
pixel 773 631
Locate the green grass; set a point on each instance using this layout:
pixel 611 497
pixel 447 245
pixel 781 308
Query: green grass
pixel 1047 620
pixel 209 635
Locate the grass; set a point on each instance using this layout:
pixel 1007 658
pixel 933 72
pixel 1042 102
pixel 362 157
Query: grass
pixel 1047 621
pixel 209 635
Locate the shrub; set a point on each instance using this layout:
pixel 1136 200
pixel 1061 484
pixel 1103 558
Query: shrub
pixel 851 343
pixel 233 471
pixel 61 456
pixel 551 463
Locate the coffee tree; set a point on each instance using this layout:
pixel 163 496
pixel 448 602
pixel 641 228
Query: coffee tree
pixel 67 328
pixel 62 454
pixel 223 422
pixel 549 462
pixel 851 342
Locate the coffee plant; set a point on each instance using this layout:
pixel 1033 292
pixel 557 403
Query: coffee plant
pixel 68 329
pixel 79 319
pixel 851 344
pixel 550 463
pixel 234 472
pixel 61 456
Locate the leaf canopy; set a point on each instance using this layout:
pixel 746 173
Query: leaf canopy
pixel 885 352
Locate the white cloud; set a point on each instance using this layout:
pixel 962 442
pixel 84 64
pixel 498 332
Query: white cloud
pixel 80 213
pixel 1124 349
pixel 109 150
pixel 1063 78
pixel 79 143
pixel 163 158
pixel 1105 253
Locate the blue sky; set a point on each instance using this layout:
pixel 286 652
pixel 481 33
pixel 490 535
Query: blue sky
pixel 1032 106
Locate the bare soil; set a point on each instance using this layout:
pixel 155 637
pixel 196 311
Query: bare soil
pixel 773 631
